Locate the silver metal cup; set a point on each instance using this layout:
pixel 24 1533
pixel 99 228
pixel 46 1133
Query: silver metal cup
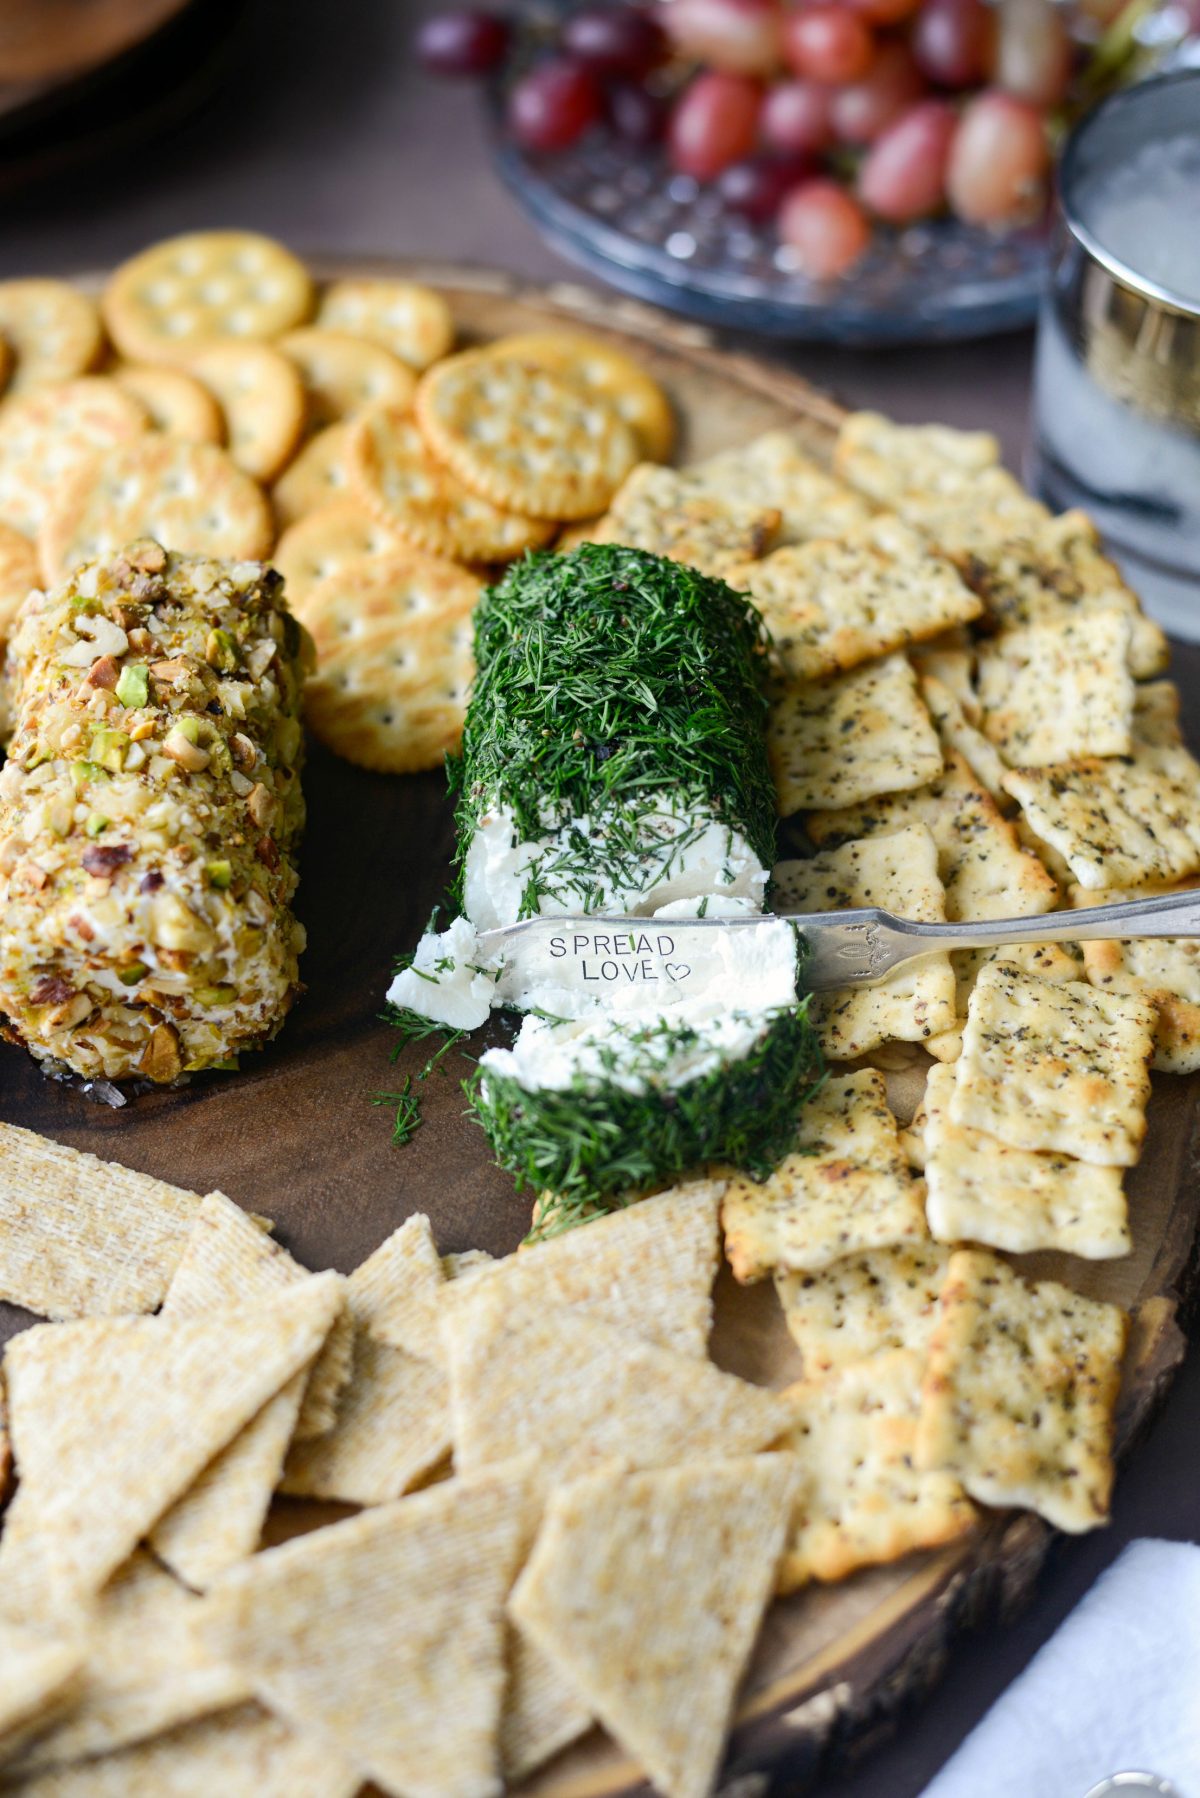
pixel 1117 382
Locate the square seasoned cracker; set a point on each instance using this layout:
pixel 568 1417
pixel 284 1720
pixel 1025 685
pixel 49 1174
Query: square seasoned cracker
pixel 1164 970
pixel 958 734
pixel 1053 568
pixel 846 1187
pixel 1051 961
pixel 1058 689
pixel 648 1269
pixel 833 603
pixel 985 870
pixel 385 1633
pixel 657 1657
pixel 40 1673
pixel 670 514
pixel 966 519
pixel 861 1501
pixel 574 1392
pixel 228 1260
pixel 113 1419
pixel 772 470
pixel 144 1673
pixel 392 1430
pixel 1156 707
pixel 864 1305
pixel 1120 822
pixel 979 1189
pixel 850 737
pixel 950 659
pixel 889 462
pixel 1061 1067
pixel 899 872
pixel 81 1237
pixel 1019 1392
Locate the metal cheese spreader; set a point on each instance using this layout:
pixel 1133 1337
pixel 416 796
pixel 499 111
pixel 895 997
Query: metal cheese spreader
pixel 839 948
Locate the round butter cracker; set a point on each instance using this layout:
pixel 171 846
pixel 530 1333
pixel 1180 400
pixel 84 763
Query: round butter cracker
pixel 49 433
pixel 203 287
pixel 19 573
pixel 636 396
pixel 325 543
pixel 410 320
pixel 262 396
pixel 53 331
pixel 523 436
pixel 319 474
pixel 394 642
pixel 346 375
pixel 396 476
pixel 177 403
pixel 192 496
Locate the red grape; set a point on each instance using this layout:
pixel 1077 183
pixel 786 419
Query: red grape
pixel 714 123
pixel 863 109
pixel 1033 51
pixel 904 174
pixel 614 40
pixel 553 104
pixel 796 116
pixel 952 41
pixel 883 12
pixel 998 160
pixel 465 42
pixel 827 43
pixel 757 188
pixel 635 114
pixel 826 227
pixel 738 37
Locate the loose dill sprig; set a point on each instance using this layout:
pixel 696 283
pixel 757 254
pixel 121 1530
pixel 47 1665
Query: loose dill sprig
pixel 407 1118
pixel 413 1028
pixel 605 677
pixel 594 1147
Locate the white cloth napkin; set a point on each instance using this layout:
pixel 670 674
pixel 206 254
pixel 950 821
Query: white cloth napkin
pixel 1116 1688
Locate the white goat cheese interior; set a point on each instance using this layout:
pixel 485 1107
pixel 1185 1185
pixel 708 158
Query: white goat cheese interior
pixel 685 866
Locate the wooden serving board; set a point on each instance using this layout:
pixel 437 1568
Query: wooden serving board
pixel 296 1136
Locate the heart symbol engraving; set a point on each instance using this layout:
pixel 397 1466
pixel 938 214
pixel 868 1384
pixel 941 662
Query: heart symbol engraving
pixel 677 971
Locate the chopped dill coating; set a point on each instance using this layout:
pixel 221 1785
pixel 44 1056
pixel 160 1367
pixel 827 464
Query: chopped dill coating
pixel 596 1148
pixel 607 676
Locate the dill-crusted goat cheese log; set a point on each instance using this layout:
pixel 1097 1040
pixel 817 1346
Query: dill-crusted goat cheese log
pixel 614 760
pixel 150 810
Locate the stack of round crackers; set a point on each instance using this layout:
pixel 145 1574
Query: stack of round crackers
pixel 217 400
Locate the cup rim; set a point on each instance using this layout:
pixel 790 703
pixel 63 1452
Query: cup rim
pixel 1141 285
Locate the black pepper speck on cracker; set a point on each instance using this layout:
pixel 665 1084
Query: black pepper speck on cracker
pixel 150 810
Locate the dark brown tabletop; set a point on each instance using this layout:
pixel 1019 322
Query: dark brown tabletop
pixel 323 133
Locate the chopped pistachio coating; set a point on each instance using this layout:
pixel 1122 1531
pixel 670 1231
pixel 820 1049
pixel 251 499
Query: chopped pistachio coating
pixel 150 811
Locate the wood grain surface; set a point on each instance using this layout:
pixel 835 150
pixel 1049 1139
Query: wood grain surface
pixel 296 1135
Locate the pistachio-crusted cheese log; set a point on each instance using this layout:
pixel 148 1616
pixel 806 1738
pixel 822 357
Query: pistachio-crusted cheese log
pixel 150 810
pixel 614 759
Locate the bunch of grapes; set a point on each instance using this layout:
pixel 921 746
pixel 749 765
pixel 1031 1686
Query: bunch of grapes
pixel 823 116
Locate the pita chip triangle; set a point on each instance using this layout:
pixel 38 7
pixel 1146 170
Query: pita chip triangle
pixel 228 1260
pixel 648 1269
pixel 386 1633
pixel 647 1590
pixel 575 1392
pixel 113 1418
